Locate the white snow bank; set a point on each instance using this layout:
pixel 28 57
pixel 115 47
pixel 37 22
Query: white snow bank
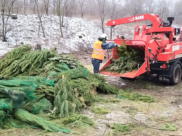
pixel 77 33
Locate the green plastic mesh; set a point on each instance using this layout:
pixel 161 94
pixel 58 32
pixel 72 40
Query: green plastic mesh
pixel 21 88
pixel 27 81
pixel 11 123
pixel 5 107
pixel 39 104
pixel 17 97
pixel 35 83
pixel 29 118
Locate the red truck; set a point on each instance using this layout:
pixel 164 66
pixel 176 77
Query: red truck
pixel 161 44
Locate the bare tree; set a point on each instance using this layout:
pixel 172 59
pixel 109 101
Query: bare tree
pixel 68 6
pixel 177 11
pixel 6 13
pixel 81 5
pixel 39 12
pixel 134 7
pixel 113 8
pixel 60 14
pixel 54 2
pixel 24 6
pixel 102 12
pixel 46 6
pixel 150 6
pixel 91 8
pixel 162 8
pixel 17 7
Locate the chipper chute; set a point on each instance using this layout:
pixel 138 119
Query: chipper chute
pixel 135 44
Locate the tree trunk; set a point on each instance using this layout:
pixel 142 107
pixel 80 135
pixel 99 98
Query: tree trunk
pixel 111 32
pixel 12 9
pixel 5 23
pixel 34 9
pixel 81 12
pixel 4 36
pixel 102 23
pixel 60 14
pixel 41 25
pixel 17 10
pixel 62 17
pixel 40 17
pixel 24 7
pixel 61 30
pixel 39 31
pixel 47 11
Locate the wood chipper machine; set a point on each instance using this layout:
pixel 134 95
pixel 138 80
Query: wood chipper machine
pixel 160 43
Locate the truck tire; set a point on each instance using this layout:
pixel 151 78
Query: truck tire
pixel 176 74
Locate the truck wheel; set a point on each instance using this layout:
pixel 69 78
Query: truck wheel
pixel 176 74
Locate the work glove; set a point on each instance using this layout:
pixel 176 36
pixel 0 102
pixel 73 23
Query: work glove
pixel 117 45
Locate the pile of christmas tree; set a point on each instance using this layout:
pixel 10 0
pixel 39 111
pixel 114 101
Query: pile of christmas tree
pixel 128 60
pixel 37 86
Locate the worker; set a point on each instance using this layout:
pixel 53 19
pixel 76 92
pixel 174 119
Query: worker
pixel 98 51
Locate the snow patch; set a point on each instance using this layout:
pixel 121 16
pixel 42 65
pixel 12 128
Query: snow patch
pixel 78 33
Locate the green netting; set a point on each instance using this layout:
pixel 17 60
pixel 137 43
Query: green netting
pixel 27 81
pixel 16 96
pixel 24 91
pixel 29 118
pixel 5 106
pixel 21 88
pixel 11 123
pixel 39 82
pixel 39 104
pixel 2 115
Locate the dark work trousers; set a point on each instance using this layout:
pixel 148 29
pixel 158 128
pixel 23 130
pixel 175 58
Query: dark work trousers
pixel 96 65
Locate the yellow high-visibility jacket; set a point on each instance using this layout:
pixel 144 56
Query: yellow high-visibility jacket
pixel 98 52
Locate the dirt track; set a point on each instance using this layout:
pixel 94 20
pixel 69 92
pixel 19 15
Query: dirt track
pixel 167 107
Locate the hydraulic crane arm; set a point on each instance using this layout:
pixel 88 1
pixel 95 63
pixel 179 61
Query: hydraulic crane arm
pixel 155 19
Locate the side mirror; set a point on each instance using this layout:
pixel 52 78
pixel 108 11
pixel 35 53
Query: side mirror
pixel 150 50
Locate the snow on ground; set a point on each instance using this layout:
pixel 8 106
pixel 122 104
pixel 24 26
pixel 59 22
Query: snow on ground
pixel 78 33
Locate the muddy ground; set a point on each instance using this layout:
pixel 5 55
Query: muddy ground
pixel 146 118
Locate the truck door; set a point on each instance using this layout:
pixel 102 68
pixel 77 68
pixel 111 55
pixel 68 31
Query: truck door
pixel 177 35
